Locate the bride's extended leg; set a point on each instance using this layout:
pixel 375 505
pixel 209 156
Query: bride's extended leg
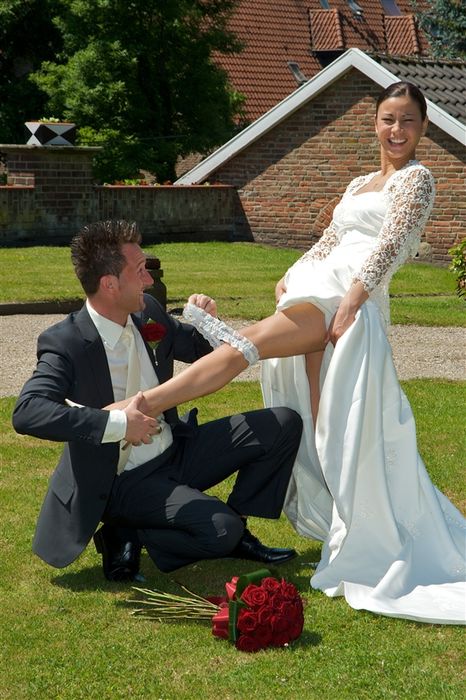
pixel 313 364
pixel 294 331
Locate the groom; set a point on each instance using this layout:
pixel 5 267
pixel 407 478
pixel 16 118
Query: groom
pixel 143 478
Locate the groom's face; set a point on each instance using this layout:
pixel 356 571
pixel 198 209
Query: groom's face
pixel 133 279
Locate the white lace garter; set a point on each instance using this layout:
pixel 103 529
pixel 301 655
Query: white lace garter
pixel 217 332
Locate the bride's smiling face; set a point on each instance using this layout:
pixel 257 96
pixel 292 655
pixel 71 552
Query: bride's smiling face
pixel 399 126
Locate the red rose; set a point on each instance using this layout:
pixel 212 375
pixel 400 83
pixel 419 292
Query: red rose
pixel 254 596
pixel 263 634
pixel 153 333
pixel 286 610
pixel 247 621
pixel 288 590
pixel 279 624
pixel 275 601
pixel 296 629
pixel 296 620
pixel 270 584
pixel 264 615
pixel 247 643
pixel 299 612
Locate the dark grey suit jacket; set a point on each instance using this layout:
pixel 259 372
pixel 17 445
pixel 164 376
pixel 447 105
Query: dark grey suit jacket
pixel 72 364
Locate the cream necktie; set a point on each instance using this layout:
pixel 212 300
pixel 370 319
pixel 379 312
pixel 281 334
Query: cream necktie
pixel 133 384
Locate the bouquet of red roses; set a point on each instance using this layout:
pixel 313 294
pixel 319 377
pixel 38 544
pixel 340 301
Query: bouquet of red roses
pixel 258 611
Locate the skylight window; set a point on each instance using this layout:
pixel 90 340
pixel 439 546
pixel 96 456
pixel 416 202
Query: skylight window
pixel 298 75
pixel 390 7
pixel 325 4
pixel 355 8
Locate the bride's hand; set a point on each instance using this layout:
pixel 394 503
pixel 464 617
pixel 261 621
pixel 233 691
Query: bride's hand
pixel 124 403
pixel 346 313
pixel 280 288
pixel 339 324
pixel 204 302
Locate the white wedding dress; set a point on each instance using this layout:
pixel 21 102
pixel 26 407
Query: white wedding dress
pixel 393 543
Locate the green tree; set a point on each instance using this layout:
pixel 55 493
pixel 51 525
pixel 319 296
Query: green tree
pixel 444 22
pixel 27 37
pixel 139 79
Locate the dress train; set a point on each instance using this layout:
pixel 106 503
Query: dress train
pixel 393 543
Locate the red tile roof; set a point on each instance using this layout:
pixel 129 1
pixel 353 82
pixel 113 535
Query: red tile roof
pixel 273 33
pixel 401 35
pixel 326 30
pixel 276 33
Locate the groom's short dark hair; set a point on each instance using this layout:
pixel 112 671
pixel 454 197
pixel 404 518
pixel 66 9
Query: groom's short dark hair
pixel 96 251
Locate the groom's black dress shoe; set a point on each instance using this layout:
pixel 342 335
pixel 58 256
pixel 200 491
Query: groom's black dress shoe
pixel 249 547
pixel 120 559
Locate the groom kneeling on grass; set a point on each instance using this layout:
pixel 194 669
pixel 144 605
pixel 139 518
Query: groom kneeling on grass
pixel 143 478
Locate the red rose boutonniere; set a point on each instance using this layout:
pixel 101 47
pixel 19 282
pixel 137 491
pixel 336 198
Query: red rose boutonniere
pixel 258 611
pixel 153 333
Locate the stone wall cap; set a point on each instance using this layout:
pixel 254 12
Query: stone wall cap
pixel 41 307
pixel 67 149
pixel 173 186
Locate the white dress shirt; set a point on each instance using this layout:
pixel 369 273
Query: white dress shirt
pixel 117 356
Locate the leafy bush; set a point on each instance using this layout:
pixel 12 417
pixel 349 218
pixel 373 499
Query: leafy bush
pixel 458 266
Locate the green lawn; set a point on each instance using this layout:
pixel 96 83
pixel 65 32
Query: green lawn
pixel 67 634
pixel 240 276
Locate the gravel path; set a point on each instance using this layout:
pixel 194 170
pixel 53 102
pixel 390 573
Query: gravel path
pixel 418 351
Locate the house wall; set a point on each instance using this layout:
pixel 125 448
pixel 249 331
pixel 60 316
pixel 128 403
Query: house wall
pixel 51 194
pixel 289 180
pixel 446 158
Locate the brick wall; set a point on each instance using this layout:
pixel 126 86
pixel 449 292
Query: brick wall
pixel 51 194
pixel 196 213
pixel 446 158
pixel 289 179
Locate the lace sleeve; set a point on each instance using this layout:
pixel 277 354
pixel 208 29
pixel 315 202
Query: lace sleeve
pixel 410 201
pixel 330 237
pixel 328 240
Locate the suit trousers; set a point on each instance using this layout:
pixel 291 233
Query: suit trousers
pixel 164 499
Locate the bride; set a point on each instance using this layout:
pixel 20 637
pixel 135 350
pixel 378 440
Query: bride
pixel 392 543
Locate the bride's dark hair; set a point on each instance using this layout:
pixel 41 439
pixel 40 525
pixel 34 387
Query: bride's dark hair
pixel 400 90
